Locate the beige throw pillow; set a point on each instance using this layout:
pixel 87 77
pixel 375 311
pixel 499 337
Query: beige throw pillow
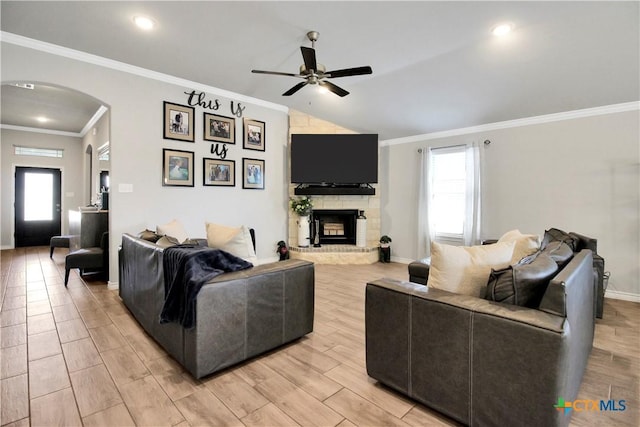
pixel 235 240
pixel 526 244
pixel 167 241
pixel 173 229
pixel 466 269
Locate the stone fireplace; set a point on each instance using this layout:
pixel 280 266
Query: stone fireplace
pixel 336 251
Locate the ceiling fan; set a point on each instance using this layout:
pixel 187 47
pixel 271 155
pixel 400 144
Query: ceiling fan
pixel 314 73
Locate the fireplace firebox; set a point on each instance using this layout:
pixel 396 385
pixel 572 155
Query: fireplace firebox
pixel 334 226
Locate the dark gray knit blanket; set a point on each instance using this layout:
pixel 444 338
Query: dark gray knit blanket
pixel 186 269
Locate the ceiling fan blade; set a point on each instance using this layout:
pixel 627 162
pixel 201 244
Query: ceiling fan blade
pixel 276 73
pixel 309 56
pixel 357 71
pixel 295 88
pixel 333 88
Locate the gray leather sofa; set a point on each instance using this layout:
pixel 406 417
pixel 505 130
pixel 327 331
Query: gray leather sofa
pixel 419 270
pixel 238 315
pixel 480 362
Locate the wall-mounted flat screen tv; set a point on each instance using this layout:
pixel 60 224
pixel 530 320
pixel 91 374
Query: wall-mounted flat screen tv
pixel 334 159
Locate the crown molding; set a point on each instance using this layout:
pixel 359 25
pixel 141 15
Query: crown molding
pixel 93 120
pixel 547 118
pixel 40 130
pixel 131 69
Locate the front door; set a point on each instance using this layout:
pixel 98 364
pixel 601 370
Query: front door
pixel 37 206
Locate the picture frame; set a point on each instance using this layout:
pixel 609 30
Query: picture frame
pixel 254 135
pixel 177 168
pixel 219 128
pixel 253 174
pixel 216 172
pixel 178 122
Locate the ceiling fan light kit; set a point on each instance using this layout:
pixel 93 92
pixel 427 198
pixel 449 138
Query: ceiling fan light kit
pixel 314 73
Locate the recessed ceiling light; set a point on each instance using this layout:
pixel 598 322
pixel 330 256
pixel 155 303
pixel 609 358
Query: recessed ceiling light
pixel 144 23
pixel 502 29
pixel 42 119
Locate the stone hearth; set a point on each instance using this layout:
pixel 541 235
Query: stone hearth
pixel 336 254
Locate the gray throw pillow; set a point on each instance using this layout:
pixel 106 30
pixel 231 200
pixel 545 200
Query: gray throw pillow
pixel 557 235
pixel 560 252
pixel 524 283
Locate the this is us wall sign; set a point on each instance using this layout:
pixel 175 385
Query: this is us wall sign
pixel 200 98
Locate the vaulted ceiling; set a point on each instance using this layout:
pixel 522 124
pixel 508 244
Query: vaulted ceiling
pixel 436 65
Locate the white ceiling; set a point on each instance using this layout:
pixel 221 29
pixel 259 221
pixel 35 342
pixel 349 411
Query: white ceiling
pixel 435 64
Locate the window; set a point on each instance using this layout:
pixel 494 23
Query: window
pixel 39 152
pixel 448 193
pixel 103 152
pixel 449 196
pixel 38 197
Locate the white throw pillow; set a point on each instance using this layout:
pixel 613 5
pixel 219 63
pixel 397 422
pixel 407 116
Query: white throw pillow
pixel 526 244
pixel 173 229
pixel 465 269
pixel 235 240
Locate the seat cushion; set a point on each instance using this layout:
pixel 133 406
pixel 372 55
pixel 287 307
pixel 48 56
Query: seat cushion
pixel 60 241
pixel 85 258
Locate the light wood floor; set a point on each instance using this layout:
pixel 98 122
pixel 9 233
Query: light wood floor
pixel 77 357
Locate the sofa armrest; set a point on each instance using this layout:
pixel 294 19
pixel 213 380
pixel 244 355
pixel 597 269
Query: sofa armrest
pixel 419 271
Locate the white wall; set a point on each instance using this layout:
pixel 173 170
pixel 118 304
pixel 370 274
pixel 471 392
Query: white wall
pixel 579 175
pixel 136 108
pixel 71 175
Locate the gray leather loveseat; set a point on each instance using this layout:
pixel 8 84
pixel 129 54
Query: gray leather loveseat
pixel 480 362
pixel 238 315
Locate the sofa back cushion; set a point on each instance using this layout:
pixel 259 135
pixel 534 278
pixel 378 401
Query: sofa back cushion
pixel 524 283
pixel 465 269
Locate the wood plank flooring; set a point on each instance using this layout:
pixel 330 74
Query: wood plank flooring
pixel 75 356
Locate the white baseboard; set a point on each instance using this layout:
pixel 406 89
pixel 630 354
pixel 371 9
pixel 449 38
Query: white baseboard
pixel 112 286
pixel 6 247
pixel 626 296
pixel 402 260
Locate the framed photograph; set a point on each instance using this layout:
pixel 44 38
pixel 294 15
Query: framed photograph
pixel 219 128
pixel 177 168
pixel 253 173
pixel 253 135
pixel 219 172
pixel 178 122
